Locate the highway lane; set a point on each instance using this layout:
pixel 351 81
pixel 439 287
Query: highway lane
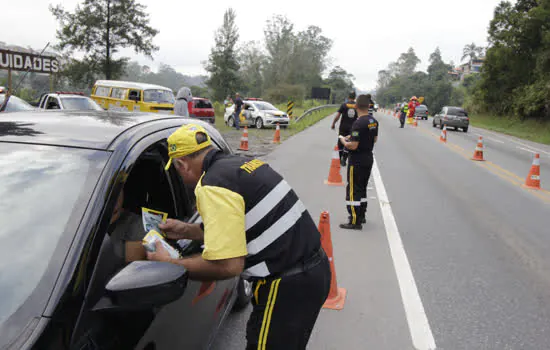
pixel 475 239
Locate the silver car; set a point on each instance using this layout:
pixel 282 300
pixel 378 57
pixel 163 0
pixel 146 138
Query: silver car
pixel 421 112
pixel 452 117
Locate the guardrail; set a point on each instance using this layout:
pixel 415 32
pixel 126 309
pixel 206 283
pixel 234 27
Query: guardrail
pixel 314 109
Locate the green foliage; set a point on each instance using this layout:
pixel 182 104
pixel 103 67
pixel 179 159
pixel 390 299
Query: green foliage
pixel 281 92
pixel 517 66
pixel 340 82
pixel 99 28
pixel 166 76
pixel 400 81
pixel 223 65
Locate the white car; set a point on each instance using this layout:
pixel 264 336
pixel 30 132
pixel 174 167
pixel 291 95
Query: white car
pixel 258 113
pixel 68 101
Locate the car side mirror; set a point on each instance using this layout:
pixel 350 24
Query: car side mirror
pixel 144 285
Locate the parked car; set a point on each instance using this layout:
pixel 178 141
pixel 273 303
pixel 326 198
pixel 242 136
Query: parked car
pixel 63 284
pixel 133 97
pixel 421 112
pixel 452 117
pixel 376 107
pixel 14 104
pixel 258 113
pixel 202 109
pixel 68 101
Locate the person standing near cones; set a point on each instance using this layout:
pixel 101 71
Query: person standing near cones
pixel 348 113
pixel 403 115
pixel 364 134
pixel 254 225
pixel 238 107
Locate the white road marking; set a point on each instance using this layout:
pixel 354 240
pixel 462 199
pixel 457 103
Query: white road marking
pixel 522 144
pixel 419 327
pixel 493 139
pixel 526 149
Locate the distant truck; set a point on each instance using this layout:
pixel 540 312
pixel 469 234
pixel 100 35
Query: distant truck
pixel 67 101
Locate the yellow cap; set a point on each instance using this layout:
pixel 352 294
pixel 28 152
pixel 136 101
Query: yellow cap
pixel 183 142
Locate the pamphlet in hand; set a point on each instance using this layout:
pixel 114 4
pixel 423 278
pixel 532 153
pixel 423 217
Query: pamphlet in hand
pixel 152 218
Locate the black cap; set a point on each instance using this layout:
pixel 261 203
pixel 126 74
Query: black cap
pixel 352 95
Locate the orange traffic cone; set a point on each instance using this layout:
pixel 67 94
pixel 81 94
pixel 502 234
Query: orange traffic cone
pixel 415 124
pixel 277 136
pixel 443 136
pixel 478 154
pixel 244 140
pixel 334 176
pixel 533 179
pixel 336 296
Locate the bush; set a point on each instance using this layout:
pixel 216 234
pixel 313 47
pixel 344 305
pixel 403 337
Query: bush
pixel 533 101
pixel 282 92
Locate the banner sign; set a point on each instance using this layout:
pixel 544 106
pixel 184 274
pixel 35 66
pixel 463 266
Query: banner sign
pixel 23 61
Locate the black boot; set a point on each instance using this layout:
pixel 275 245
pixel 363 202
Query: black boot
pixel 349 226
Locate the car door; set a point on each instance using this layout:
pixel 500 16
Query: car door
pixel 185 323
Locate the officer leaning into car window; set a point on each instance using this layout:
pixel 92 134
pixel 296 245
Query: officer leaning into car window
pixel 254 225
pixel 349 115
pixel 364 134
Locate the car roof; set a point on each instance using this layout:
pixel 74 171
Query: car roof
pixel 83 129
pixel 129 85
pixel 200 98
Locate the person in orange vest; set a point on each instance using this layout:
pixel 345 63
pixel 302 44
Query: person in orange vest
pixel 412 106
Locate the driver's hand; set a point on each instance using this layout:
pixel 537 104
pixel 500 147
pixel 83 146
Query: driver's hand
pixel 332 127
pixel 160 254
pixel 175 229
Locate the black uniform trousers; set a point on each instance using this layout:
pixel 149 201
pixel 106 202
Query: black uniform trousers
pixel 402 117
pixel 356 189
pixel 285 309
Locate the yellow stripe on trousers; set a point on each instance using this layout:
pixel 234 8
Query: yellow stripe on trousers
pixel 267 313
pixel 353 215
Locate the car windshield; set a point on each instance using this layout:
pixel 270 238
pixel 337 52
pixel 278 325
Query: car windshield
pixel 15 104
pixel 459 112
pixel 158 96
pixel 80 103
pixel 265 106
pixel 203 104
pixel 43 194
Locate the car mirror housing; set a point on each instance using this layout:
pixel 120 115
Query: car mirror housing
pixel 144 285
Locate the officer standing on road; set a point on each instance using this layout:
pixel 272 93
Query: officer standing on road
pixel 238 107
pixel 364 134
pixel 254 224
pixel 404 112
pixel 349 115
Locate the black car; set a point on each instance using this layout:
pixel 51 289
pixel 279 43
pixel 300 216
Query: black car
pixel 62 286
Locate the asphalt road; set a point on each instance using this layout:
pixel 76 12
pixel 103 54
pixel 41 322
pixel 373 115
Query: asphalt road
pixel 454 253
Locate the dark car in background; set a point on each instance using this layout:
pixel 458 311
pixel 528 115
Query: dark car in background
pixel 202 109
pixel 451 116
pixel 62 284
pixel 421 112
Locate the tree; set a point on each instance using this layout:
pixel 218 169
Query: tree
pixel 340 82
pixel 471 51
pixel 100 28
pixel 252 62
pixel 407 62
pixel 280 44
pixel 223 64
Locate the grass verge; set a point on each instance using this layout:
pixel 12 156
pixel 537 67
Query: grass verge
pixel 531 130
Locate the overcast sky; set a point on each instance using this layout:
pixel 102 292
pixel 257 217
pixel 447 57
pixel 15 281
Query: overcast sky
pixel 367 35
